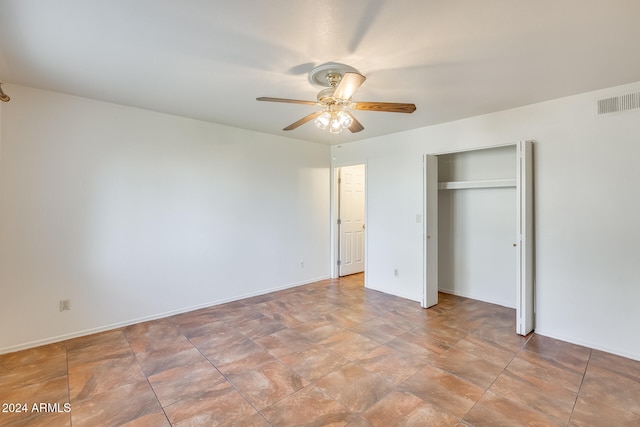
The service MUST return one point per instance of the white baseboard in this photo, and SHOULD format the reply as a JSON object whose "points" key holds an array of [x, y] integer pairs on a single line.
{"points": [[503, 303], [389, 292], [76, 334], [588, 344]]}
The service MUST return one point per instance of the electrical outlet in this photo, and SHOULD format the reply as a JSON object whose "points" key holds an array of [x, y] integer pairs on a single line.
{"points": [[301, 264], [65, 305], [395, 272]]}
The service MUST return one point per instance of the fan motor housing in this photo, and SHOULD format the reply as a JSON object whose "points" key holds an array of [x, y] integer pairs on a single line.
{"points": [[325, 96]]}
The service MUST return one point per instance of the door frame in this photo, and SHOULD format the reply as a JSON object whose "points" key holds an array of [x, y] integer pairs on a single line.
{"points": [[334, 229], [524, 233]]}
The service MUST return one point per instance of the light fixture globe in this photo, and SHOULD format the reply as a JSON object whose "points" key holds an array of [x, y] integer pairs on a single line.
{"points": [[323, 120], [344, 119], [334, 126]]}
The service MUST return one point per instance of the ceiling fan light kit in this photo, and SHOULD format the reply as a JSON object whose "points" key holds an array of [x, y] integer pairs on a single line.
{"points": [[336, 121], [340, 82]]}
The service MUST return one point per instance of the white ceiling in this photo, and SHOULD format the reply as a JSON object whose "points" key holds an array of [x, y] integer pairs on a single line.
{"points": [[210, 59]]}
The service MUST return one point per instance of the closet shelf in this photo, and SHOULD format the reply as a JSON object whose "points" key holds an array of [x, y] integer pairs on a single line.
{"points": [[486, 183]]}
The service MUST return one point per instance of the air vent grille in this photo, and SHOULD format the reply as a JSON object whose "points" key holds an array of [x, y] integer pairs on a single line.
{"points": [[630, 101]]}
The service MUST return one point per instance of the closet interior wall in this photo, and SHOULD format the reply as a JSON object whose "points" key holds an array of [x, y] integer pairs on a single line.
{"points": [[477, 220]]}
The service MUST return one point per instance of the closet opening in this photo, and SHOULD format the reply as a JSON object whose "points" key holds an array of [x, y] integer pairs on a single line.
{"points": [[478, 228]]}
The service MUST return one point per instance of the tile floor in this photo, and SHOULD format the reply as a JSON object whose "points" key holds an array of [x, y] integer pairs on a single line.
{"points": [[327, 354]]}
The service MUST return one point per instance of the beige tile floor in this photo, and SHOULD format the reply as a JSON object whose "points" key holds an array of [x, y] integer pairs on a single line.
{"points": [[327, 354]]}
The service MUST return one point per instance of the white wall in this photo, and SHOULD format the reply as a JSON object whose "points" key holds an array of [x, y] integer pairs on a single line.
{"points": [[133, 214], [477, 227], [476, 232], [586, 211]]}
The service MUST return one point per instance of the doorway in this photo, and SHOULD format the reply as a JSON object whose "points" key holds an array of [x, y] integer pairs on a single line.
{"points": [[492, 216], [351, 223]]}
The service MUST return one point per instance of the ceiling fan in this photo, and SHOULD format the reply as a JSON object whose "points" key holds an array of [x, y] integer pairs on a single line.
{"points": [[341, 82]]}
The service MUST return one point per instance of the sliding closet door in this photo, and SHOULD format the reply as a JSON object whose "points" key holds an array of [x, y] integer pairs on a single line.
{"points": [[524, 254]]}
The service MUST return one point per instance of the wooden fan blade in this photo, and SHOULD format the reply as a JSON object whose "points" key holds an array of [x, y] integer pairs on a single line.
{"points": [[303, 120], [393, 107], [355, 126], [349, 83], [288, 101]]}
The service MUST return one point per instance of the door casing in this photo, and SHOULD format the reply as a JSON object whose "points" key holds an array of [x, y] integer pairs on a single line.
{"points": [[335, 236], [351, 209]]}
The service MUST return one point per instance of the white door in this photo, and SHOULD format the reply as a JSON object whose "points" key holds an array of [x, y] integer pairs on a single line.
{"points": [[524, 239], [430, 293], [351, 219]]}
